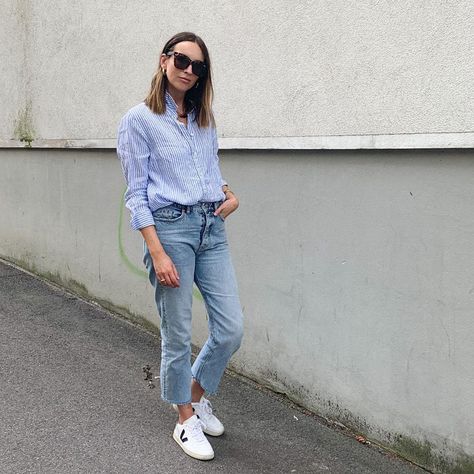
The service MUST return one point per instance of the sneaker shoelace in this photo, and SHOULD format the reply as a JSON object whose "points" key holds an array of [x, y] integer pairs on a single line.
{"points": [[206, 407], [196, 431]]}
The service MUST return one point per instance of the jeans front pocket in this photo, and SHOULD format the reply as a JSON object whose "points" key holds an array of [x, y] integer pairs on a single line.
{"points": [[171, 213]]}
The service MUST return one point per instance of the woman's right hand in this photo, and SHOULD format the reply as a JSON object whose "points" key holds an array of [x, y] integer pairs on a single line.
{"points": [[165, 270]]}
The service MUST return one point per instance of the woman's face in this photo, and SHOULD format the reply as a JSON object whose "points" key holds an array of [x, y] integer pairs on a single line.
{"points": [[181, 80]]}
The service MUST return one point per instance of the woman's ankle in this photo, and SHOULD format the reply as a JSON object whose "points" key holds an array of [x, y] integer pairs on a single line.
{"points": [[185, 412], [196, 391]]}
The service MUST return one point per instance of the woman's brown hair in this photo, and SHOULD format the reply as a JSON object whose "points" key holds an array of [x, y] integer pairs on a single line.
{"points": [[197, 99]]}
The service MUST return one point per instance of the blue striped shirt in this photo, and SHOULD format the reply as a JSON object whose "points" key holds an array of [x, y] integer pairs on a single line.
{"points": [[166, 161]]}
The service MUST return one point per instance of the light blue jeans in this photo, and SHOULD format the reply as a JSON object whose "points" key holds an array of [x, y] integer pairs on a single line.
{"points": [[196, 242]]}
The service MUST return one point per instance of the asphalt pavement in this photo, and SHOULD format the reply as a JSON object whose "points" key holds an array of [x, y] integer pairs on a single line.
{"points": [[74, 399]]}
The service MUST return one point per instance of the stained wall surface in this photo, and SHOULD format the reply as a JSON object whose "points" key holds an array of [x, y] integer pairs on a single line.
{"points": [[354, 270]]}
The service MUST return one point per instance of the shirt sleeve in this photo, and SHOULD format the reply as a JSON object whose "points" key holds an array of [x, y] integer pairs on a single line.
{"points": [[134, 154], [215, 145]]}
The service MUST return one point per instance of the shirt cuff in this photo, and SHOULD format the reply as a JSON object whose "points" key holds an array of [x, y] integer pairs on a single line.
{"points": [[141, 219]]}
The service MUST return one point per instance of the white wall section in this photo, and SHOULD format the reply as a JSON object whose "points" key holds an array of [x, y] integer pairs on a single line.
{"points": [[282, 69]]}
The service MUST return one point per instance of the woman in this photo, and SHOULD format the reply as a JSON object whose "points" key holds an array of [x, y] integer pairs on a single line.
{"points": [[178, 200]]}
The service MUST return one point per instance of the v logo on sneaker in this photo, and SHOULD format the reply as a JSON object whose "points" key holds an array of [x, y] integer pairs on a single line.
{"points": [[182, 438]]}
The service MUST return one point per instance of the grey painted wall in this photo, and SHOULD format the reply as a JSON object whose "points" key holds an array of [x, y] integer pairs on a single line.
{"points": [[304, 68], [355, 271]]}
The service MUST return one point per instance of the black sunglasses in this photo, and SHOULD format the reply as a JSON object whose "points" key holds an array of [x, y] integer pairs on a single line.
{"points": [[181, 61]]}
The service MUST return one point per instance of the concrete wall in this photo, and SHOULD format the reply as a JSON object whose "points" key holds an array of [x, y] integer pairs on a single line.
{"points": [[353, 266], [355, 271], [305, 68]]}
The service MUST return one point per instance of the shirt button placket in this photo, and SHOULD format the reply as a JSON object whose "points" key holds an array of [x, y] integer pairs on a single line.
{"points": [[197, 164]]}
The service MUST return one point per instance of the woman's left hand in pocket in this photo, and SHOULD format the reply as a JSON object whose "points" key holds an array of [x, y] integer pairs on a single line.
{"points": [[228, 206]]}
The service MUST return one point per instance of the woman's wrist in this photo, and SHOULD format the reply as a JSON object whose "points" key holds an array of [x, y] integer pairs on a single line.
{"points": [[226, 190], [152, 241]]}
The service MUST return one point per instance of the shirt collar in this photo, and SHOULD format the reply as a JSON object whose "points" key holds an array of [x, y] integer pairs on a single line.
{"points": [[170, 102], [171, 105]]}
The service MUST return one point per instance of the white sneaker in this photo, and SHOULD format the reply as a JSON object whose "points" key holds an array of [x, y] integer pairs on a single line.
{"points": [[190, 437], [211, 424]]}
